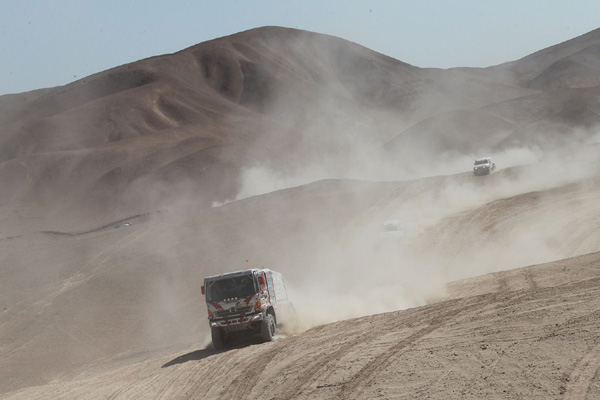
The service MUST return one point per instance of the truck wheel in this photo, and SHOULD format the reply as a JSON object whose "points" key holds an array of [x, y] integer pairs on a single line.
{"points": [[218, 338], [268, 329]]}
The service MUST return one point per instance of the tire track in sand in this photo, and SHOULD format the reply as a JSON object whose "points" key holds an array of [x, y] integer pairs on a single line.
{"points": [[582, 376], [502, 282], [352, 387], [306, 376], [245, 381], [530, 278]]}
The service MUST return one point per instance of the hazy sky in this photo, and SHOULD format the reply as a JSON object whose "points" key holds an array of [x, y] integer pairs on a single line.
{"points": [[54, 42]]}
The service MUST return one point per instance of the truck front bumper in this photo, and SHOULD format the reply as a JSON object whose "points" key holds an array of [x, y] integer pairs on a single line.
{"points": [[236, 322]]}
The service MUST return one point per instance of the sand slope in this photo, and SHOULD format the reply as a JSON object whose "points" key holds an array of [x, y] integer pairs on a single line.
{"points": [[88, 302], [520, 334], [120, 199]]}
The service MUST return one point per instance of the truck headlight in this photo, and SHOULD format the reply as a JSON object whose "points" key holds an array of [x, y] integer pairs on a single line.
{"points": [[257, 305]]}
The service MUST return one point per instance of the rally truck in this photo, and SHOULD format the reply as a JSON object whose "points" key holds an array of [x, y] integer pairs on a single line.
{"points": [[250, 302]]}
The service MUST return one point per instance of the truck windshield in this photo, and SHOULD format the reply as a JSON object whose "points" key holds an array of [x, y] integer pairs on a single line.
{"points": [[479, 162], [230, 288]]}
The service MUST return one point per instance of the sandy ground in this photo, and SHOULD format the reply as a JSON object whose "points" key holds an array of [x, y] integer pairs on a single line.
{"points": [[115, 311], [527, 333]]}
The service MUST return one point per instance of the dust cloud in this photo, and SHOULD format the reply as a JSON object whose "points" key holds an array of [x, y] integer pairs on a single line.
{"points": [[356, 269], [337, 261], [454, 227]]}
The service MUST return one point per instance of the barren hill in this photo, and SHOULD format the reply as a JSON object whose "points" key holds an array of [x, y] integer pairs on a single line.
{"points": [[271, 98], [288, 149]]}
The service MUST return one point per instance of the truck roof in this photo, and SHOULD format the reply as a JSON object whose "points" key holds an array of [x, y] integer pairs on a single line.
{"points": [[235, 273]]}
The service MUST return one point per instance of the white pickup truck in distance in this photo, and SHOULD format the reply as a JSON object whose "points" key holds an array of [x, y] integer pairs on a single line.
{"points": [[483, 166], [246, 302]]}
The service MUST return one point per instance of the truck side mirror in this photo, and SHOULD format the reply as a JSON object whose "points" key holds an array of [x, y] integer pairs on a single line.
{"points": [[202, 288], [261, 280]]}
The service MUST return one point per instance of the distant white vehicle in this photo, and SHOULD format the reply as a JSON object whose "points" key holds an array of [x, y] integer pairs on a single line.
{"points": [[393, 228], [483, 166]]}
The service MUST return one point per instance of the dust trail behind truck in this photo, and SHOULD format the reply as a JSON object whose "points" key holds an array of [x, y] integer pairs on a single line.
{"points": [[250, 302]]}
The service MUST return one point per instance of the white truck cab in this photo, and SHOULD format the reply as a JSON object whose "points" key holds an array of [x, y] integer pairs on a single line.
{"points": [[483, 166]]}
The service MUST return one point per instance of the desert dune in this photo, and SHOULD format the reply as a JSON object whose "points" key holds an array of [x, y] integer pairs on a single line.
{"points": [[287, 149]]}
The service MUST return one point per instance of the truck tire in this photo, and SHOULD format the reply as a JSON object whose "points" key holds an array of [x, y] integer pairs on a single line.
{"points": [[218, 338], [268, 330]]}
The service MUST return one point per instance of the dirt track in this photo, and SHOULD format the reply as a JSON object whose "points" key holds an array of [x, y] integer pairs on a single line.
{"points": [[537, 337]]}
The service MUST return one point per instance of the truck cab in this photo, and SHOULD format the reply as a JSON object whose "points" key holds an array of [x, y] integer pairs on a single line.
{"points": [[244, 302]]}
